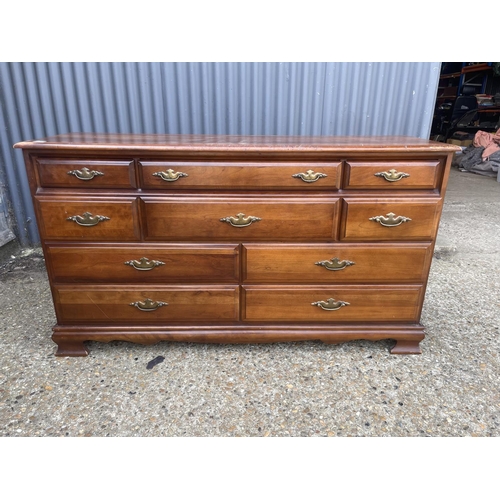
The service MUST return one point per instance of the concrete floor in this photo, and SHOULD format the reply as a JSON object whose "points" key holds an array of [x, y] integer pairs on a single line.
{"points": [[294, 389]]}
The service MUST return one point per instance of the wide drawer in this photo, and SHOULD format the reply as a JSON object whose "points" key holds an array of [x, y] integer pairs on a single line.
{"points": [[167, 175], [336, 263], [414, 174], [85, 220], [145, 304], [243, 218], [143, 263], [85, 174], [332, 303], [388, 219]]}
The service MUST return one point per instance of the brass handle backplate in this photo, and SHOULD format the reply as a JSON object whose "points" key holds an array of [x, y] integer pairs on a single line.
{"points": [[169, 175], [309, 176], [390, 220], [144, 264], [87, 219], [330, 304], [148, 305], [240, 220], [335, 264], [392, 176], [85, 174]]}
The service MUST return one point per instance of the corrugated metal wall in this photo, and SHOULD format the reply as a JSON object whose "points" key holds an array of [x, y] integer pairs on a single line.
{"points": [[41, 99]]}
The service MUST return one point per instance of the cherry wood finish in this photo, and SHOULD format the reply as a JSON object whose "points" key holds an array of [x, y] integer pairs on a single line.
{"points": [[358, 263], [165, 263], [358, 226], [70, 338], [112, 304], [240, 175], [282, 218], [365, 174], [201, 279], [122, 223], [68, 173], [364, 303], [196, 144]]}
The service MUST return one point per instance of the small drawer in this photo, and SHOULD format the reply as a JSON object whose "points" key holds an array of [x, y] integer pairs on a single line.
{"points": [[85, 174], [242, 218], [88, 220], [238, 175], [138, 304], [389, 219], [336, 263], [166, 263], [393, 175], [348, 303]]}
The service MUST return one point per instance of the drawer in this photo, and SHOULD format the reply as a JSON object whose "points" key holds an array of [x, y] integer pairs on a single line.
{"points": [[336, 263], [237, 175], [85, 220], [324, 303], [85, 174], [146, 304], [421, 174], [364, 219], [143, 263], [245, 218]]}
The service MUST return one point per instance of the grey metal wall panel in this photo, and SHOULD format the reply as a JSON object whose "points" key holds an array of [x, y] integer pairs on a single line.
{"points": [[290, 98]]}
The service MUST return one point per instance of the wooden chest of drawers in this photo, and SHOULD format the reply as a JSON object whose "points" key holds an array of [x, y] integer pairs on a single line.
{"points": [[237, 238]]}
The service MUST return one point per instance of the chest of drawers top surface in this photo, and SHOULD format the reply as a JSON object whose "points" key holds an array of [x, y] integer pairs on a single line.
{"points": [[241, 143], [214, 238]]}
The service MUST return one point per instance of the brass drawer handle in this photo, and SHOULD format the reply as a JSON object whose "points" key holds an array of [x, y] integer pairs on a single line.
{"points": [[335, 264], [144, 264], [330, 304], [87, 219], [170, 175], [240, 220], [309, 176], [85, 174], [390, 220], [148, 305], [392, 176]]}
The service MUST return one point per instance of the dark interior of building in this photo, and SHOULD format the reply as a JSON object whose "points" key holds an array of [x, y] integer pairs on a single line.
{"points": [[468, 100]]}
